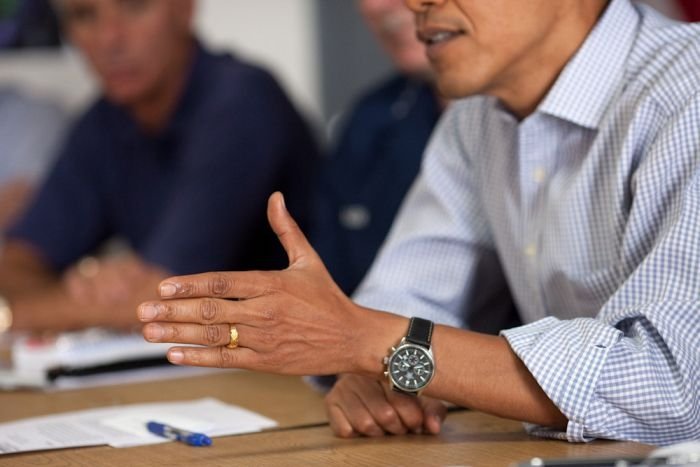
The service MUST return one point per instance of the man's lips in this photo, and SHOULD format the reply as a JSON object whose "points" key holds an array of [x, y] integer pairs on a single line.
{"points": [[437, 35]]}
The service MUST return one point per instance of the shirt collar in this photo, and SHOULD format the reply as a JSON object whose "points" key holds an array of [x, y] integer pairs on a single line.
{"points": [[592, 78]]}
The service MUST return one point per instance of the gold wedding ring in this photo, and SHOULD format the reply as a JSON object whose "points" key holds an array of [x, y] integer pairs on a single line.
{"points": [[233, 341]]}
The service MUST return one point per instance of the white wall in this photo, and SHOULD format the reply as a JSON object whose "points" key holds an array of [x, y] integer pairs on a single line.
{"points": [[280, 34], [57, 75]]}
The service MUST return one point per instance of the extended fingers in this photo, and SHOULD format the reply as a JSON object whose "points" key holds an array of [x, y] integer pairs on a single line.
{"points": [[219, 284], [215, 357], [202, 310], [211, 335], [208, 334]]}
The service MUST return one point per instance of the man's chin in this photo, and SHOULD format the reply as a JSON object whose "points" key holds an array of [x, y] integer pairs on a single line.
{"points": [[449, 89], [458, 84], [124, 95]]}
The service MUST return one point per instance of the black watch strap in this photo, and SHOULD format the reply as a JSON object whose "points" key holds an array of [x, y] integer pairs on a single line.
{"points": [[420, 331]]}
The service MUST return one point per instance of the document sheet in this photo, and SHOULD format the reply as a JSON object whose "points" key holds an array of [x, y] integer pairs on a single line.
{"points": [[125, 425]]}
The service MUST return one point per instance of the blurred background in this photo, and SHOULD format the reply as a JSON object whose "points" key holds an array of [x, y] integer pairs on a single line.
{"points": [[320, 50]]}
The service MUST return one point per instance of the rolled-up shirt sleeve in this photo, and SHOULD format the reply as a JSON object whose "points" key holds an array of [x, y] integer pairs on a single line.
{"points": [[633, 371], [615, 382]]}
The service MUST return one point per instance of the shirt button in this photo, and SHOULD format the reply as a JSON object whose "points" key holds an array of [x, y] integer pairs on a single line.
{"points": [[531, 251], [538, 175]]}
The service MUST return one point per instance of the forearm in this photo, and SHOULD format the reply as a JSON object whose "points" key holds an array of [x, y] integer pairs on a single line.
{"points": [[49, 309], [22, 270], [13, 199], [109, 299], [53, 309], [482, 372], [472, 370], [34, 291]]}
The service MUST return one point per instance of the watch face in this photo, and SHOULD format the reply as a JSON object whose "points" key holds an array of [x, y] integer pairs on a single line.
{"points": [[411, 367]]}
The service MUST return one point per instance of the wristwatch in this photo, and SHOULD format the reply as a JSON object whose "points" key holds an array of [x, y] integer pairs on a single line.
{"points": [[5, 315], [410, 366]]}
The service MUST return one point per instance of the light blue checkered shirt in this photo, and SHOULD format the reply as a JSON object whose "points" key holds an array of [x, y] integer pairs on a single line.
{"points": [[588, 212]]}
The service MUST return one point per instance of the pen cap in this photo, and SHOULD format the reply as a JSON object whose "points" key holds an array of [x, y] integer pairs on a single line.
{"points": [[198, 439]]}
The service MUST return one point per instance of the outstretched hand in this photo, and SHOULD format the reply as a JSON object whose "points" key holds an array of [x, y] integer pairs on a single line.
{"points": [[294, 321]]}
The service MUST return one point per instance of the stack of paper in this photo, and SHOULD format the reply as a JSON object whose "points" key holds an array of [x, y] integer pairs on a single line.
{"points": [[37, 362], [125, 425]]}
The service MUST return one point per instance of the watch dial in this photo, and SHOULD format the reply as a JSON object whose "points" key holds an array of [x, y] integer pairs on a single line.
{"points": [[411, 367]]}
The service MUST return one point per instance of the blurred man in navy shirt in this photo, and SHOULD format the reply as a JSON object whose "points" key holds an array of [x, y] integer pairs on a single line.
{"points": [[379, 150], [177, 158]]}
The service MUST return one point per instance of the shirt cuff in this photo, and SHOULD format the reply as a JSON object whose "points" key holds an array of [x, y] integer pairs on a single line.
{"points": [[565, 358]]}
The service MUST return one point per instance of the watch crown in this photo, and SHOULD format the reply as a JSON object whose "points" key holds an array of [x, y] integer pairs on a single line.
{"points": [[386, 360], [386, 374]]}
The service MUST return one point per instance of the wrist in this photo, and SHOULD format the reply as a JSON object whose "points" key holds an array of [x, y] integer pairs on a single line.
{"points": [[383, 330], [410, 366]]}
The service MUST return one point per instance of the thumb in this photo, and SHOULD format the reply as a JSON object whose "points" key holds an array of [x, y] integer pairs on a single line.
{"points": [[287, 230]]}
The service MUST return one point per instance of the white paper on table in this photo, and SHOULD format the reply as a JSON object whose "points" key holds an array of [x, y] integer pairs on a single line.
{"points": [[125, 425]]}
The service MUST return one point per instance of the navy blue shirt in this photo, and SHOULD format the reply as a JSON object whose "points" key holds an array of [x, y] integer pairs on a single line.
{"points": [[368, 173], [192, 198]]}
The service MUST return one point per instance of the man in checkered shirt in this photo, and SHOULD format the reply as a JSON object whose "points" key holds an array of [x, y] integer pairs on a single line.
{"points": [[569, 178], [581, 197]]}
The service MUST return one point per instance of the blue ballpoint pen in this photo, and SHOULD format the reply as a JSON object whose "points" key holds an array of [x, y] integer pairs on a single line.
{"points": [[184, 436]]}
